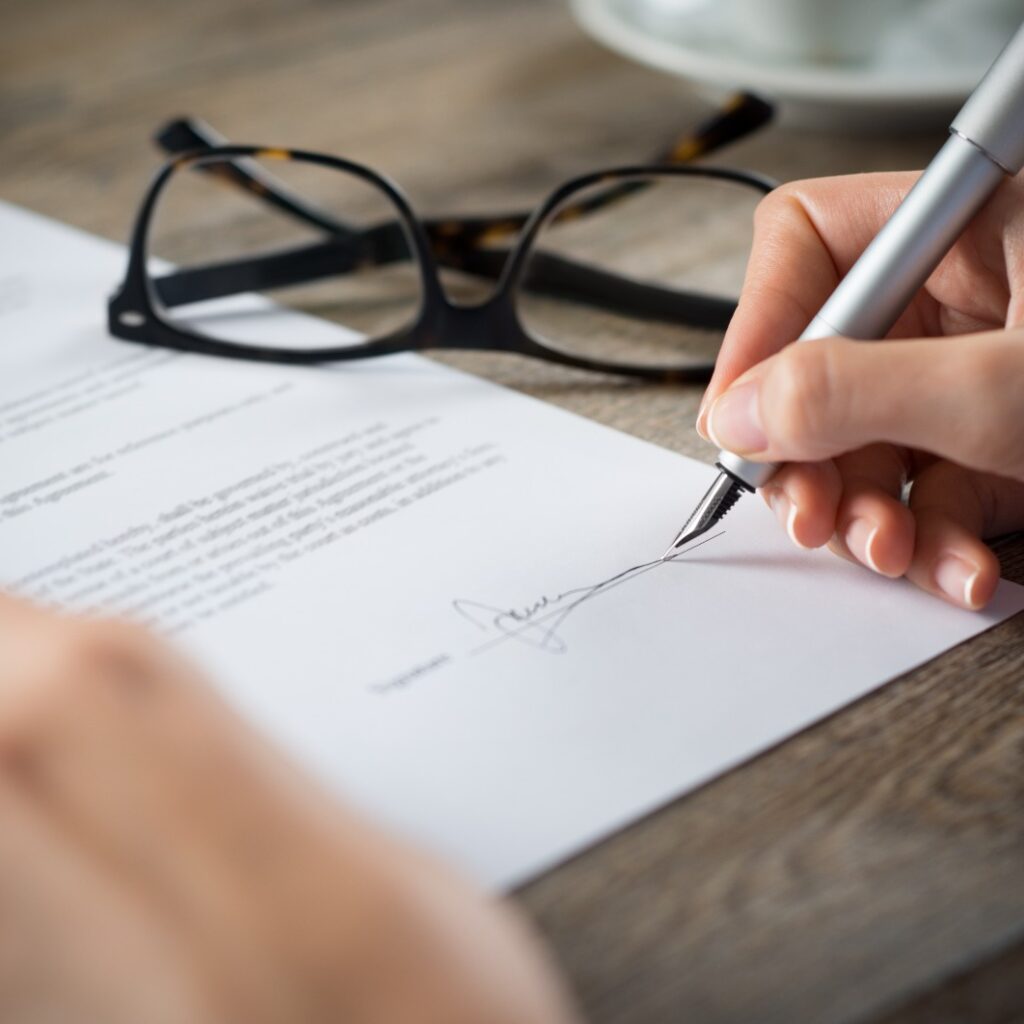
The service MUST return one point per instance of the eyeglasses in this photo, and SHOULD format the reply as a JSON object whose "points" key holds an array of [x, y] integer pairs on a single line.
{"points": [[633, 270]]}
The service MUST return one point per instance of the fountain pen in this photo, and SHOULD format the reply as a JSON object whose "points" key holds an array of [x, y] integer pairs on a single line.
{"points": [[986, 142]]}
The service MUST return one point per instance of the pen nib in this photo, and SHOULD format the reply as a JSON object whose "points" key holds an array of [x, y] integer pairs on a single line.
{"points": [[721, 496]]}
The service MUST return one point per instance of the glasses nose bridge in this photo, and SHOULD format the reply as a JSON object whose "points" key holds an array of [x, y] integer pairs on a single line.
{"points": [[489, 324], [470, 258]]}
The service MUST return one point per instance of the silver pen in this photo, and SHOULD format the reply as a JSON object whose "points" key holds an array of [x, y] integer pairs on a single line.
{"points": [[986, 142]]}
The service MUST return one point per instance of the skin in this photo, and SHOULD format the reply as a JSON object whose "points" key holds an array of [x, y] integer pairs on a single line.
{"points": [[160, 862], [938, 404]]}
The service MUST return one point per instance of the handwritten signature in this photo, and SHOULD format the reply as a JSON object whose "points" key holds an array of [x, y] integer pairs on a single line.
{"points": [[537, 624]]}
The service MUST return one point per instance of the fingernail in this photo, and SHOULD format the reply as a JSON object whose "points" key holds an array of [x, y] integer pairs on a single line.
{"points": [[702, 415], [860, 538], [956, 578], [785, 511], [733, 421]]}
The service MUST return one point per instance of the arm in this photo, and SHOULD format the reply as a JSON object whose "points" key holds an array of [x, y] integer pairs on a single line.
{"points": [[159, 861]]}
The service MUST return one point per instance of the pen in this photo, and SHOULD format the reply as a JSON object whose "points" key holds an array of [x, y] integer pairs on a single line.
{"points": [[986, 142]]}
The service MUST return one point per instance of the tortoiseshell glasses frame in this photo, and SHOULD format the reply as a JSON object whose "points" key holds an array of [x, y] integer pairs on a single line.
{"points": [[136, 312]]}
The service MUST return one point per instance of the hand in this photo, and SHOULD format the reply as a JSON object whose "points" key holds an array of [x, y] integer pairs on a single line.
{"points": [[159, 862], [857, 421]]}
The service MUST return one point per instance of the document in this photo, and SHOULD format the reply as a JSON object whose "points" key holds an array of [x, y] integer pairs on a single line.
{"points": [[443, 598]]}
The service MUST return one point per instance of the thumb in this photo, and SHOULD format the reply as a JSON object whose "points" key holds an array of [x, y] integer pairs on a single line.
{"points": [[957, 397]]}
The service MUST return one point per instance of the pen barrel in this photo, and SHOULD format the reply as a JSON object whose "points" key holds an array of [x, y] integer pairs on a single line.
{"points": [[993, 116], [910, 245]]}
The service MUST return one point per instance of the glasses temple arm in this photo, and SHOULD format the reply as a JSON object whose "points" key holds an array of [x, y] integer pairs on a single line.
{"points": [[187, 134], [345, 254], [590, 286], [740, 115], [549, 275], [262, 273], [448, 234]]}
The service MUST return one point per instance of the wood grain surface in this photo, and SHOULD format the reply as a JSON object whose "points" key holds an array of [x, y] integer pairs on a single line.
{"points": [[869, 869]]}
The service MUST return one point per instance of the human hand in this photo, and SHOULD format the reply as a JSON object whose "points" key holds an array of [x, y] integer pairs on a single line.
{"points": [[857, 421], [159, 862]]}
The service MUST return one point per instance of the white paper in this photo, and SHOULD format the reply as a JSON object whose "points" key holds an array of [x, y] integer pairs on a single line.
{"points": [[386, 566]]}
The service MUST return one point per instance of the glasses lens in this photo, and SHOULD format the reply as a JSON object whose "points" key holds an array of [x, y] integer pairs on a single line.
{"points": [[640, 271], [228, 262]]}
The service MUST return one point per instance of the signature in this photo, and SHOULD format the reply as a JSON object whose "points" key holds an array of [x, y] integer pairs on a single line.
{"points": [[537, 624]]}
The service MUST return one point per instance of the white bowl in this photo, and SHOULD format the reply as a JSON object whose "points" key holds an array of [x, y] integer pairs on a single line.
{"points": [[919, 79]]}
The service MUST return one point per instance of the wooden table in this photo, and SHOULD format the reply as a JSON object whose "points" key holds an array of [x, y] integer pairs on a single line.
{"points": [[871, 868]]}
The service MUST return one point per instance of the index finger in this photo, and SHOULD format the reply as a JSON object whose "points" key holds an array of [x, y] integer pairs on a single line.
{"points": [[807, 234]]}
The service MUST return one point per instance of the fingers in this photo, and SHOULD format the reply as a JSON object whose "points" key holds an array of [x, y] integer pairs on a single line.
{"points": [[958, 398], [805, 499], [937, 543], [873, 526], [852, 503], [806, 236], [954, 508]]}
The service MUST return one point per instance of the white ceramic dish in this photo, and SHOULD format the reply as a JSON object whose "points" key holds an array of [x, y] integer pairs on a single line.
{"points": [[919, 79]]}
